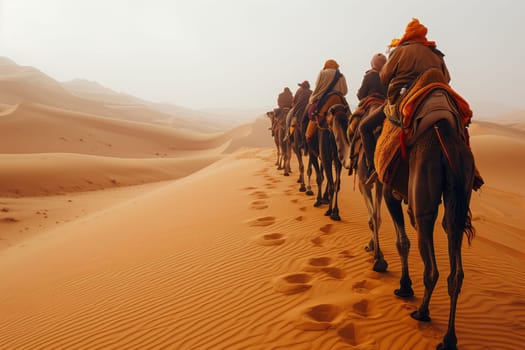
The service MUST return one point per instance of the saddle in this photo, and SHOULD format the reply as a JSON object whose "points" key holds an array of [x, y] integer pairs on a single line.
{"points": [[367, 106], [428, 100], [335, 102]]}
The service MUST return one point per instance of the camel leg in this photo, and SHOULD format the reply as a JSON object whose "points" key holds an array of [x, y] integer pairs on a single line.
{"points": [[366, 192], [319, 180], [380, 264], [326, 195], [329, 188], [287, 158], [455, 281], [425, 228], [337, 186], [402, 243], [309, 191], [300, 180]]}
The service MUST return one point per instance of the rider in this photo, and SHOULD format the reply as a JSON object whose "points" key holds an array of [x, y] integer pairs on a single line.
{"points": [[371, 84], [300, 100], [412, 55], [329, 79], [371, 87], [285, 98]]}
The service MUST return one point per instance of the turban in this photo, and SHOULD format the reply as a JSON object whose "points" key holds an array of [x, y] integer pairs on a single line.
{"points": [[331, 64], [414, 31]]}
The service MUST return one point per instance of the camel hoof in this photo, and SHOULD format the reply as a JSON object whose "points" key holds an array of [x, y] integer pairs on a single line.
{"points": [[328, 212], [299, 181], [442, 346], [380, 265], [286, 174], [335, 216], [404, 292], [325, 201], [317, 204], [309, 193], [302, 188], [416, 315]]}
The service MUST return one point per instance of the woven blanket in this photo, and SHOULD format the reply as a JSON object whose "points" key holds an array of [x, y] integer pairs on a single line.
{"points": [[387, 148]]}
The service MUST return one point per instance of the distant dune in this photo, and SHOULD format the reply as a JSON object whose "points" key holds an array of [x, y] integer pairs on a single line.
{"points": [[32, 128], [258, 136], [20, 84]]}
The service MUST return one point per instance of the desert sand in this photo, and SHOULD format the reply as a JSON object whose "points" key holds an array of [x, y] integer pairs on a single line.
{"points": [[130, 234]]}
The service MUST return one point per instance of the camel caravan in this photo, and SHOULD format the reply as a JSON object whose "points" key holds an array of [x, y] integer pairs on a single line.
{"points": [[406, 142]]}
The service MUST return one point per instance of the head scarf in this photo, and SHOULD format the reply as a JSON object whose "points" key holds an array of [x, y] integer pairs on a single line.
{"points": [[414, 31], [305, 84], [331, 64], [378, 61]]}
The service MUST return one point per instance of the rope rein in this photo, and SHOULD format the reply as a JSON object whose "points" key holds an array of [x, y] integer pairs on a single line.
{"points": [[436, 128]]}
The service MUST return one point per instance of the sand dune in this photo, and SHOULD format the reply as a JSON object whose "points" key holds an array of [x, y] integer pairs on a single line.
{"points": [[499, 150], [234, 257], [257, 136], [32, 128], [19, 84], [209, 120], [44, 174]]}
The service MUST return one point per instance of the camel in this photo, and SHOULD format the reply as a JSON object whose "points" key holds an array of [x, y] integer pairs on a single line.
{"points": [[314, 165], [439, 167], [350, 148], [277, 126], [295, 143], [333, 110]]}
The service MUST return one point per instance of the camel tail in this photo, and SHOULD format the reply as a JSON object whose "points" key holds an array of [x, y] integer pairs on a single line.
{"points": [[459, 182]]}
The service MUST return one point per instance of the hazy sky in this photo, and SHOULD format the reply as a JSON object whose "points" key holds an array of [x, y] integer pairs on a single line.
{"points": [[241, 53]]}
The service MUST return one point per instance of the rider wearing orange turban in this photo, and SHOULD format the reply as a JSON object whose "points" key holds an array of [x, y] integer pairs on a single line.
{"points": [[413, 54], [414, 31]]}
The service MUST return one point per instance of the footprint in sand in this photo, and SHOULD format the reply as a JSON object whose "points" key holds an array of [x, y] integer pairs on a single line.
{"points": [[319, 317], [361, 307], [269, 239], [259, 194], [316, 264], [249, 188], [302, 208], [270, 186], [326, 229], [317, 241], [262, 221], [346, 254], [299, 218], [293, 283], [334, 272], [259, 205], [322, 264], [294, 200], [364, 286], [352, 335]]}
